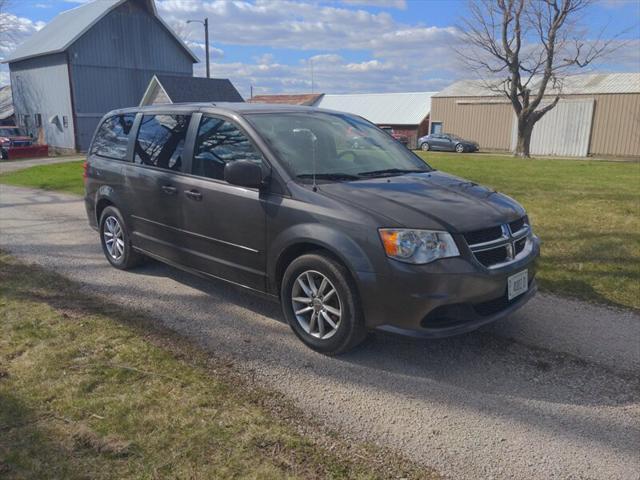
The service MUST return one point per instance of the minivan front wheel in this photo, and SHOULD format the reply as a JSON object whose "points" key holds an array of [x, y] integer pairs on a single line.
{"points": [[425, 147], [321, 305], [459, 148], [115, 240]]}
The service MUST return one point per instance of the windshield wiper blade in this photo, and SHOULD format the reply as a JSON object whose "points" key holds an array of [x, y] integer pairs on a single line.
{"points": [[391, 171], [330, 176]]}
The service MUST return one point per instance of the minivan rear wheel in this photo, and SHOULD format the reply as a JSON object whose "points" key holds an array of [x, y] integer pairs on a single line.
{"points": [[425, 147], [115, 240], [321, 304]]}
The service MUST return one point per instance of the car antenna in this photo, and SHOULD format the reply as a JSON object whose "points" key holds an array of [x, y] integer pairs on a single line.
{"points": [[314, 139]]}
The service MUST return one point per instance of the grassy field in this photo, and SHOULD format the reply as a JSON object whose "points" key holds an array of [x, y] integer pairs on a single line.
{"points": [[88, 390], [64, 177], [586, 212]]}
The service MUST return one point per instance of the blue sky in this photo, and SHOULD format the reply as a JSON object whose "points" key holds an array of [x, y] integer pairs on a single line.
{"points": [[353, 45]]}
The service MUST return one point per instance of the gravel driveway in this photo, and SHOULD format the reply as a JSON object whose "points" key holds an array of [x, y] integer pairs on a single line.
{"points": [[551, 392]]}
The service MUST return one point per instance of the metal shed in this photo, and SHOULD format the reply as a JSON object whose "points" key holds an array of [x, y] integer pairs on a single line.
{"points": [[164, 89], [87, 61], [407, 112], [598, 114]]}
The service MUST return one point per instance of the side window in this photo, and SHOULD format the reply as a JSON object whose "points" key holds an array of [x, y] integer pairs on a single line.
{"points": [[112, 137], [160, 141], [219, 142]]}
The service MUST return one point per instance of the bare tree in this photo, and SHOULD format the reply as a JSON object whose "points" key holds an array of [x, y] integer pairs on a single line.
{"points": [[6, 25], [524, 48]]}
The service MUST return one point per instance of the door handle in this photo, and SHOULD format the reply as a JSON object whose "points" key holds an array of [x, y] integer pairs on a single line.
{"points": [[169, 190], [193, 194]]}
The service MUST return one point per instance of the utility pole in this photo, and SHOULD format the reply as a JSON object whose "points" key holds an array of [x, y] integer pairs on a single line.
{"points": [[206, 41], [313, 86], [206, 45]]}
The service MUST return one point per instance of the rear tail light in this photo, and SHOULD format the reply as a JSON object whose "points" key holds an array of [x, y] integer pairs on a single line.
{"points": [[85, 169]]}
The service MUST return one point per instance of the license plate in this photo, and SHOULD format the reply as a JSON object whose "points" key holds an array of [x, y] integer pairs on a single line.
{"points": [[518, 284]]}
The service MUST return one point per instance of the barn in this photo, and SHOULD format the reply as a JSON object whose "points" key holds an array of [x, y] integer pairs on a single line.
{"points": [[89, 60], [598, 115]]}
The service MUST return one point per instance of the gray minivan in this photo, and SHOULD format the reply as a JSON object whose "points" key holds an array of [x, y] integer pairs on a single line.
{"points": [[276, 199]]}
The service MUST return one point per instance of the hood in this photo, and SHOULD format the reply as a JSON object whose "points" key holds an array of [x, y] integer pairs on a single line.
{"points": [[433, 200]]}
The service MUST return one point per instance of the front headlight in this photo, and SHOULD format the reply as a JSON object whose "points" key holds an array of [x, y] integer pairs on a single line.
{"points": [[417, 246]]}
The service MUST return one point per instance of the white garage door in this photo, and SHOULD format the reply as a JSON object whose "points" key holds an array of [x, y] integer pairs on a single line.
{"points": [[564, 131]]}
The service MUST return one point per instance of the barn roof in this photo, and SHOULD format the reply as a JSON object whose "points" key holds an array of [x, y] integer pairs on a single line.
{"points": [[181, 89], [583, 84], [58, 35], [307, 99], [409, 108]]}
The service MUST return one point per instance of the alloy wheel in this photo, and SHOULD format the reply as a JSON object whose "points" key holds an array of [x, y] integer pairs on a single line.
{"points": [[316, 304], [113, 235]]}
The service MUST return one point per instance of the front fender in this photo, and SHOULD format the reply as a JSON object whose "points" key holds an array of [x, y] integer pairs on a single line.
{"points": [[341, 244]]}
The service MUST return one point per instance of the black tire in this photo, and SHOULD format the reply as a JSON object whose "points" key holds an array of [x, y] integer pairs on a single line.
{"points": [[460, 148], [425, 147], [350, 331], [128, 258], [3, 154]]}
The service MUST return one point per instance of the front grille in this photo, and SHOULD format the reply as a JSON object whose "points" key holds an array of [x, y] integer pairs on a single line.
{"points": [[517, 225], [492, 257], [484, 235], [496, 245]]}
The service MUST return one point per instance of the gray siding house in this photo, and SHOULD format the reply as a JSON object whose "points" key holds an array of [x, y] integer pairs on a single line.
{"points": [[87, 61]]}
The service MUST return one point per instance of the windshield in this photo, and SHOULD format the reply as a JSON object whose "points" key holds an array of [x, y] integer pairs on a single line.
{"points": [[9, 132], [336, 146]]}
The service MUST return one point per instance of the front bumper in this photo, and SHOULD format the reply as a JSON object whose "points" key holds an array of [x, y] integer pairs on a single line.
{"points": [[445, 298]]}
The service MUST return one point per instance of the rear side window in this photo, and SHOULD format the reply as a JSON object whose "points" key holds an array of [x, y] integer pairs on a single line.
{"points": [[219, 142], [112, 137], [160, 141]]}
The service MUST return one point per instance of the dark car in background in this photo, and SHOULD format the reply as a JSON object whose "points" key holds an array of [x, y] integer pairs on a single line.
{"points": [[446, 142], [275, 199]]}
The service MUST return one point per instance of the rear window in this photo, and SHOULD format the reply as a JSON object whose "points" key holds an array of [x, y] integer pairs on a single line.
{"points": [[160, 141], [112, 137]]}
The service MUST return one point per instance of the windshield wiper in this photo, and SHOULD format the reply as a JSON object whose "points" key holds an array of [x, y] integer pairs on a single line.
{"points": [[391, 171], [330, 176]]}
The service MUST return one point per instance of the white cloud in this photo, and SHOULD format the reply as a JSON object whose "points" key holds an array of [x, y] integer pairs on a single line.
{"points": [[400, 4]]}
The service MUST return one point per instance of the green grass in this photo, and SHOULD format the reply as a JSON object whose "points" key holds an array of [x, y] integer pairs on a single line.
{"points": [[89, 390], [64, 177], [586, 212]]}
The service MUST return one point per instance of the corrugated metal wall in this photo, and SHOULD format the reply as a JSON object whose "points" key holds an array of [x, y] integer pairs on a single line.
{"points": [[112, 64], [41, 86], [616, 125], [565, 131], [475, 118], [615, 128]]}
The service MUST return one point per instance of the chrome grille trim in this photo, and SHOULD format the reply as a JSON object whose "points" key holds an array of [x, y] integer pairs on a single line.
{"points": [[506, 241]]}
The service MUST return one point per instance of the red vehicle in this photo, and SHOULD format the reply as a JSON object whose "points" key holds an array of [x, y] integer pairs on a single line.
{"points": [[15, 144], [403, 139]]}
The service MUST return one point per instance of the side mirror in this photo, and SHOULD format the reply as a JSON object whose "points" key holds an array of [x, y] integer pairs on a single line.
{"points": [[243, 173]]}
